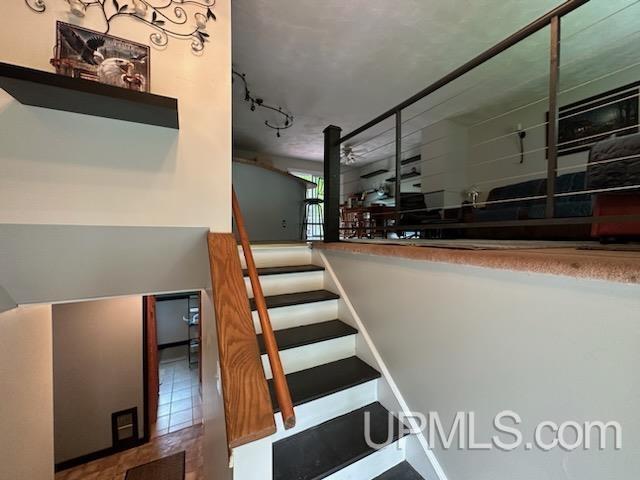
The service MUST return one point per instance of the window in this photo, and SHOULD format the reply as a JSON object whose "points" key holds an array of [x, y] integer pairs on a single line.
{"points": [[313, 227]]}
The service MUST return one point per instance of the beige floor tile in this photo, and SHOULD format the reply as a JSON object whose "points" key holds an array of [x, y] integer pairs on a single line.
{"points": [[180, 426], [180, 417]]}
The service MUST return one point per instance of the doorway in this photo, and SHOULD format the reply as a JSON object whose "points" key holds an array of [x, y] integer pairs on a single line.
{"points": [[174, 328]]}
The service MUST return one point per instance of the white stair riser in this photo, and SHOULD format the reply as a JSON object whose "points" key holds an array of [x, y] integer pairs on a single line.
{"points": [[298, 315], [288, 283], [301, 358], [326, 408], [374, 465], [278, 256], [253, 461]]}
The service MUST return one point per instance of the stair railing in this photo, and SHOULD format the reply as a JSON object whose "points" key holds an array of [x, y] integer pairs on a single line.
{"points": [[280, 385]]}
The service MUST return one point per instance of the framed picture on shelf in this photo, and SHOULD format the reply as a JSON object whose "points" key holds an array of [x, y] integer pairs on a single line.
{"points": [[584, 123], [91, 55]]}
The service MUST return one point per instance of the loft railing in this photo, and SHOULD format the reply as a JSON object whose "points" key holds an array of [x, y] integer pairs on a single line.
{"points": [[335, 140], [280, 385]]}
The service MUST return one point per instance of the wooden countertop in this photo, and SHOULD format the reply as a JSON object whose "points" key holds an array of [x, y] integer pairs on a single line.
{"points": [[613, 266]]}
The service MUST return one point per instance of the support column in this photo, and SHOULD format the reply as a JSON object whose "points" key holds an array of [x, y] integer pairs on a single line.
{"points": [[398, 187], [554, 85], [332, 183]]}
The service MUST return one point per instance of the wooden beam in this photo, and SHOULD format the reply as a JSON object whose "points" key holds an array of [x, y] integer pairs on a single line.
{"points": [[247, 403]]}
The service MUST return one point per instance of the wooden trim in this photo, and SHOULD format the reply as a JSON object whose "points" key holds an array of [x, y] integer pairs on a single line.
{"points": [[279, 380], [247, 402], [175, 296], [90, 457], [257, 163]]}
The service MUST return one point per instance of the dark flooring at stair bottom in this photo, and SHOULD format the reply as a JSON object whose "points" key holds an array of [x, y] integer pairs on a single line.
{"points": [[299, 298], [308, 334], [317, 382], [322, 450], [402, 471], [291, 269]]}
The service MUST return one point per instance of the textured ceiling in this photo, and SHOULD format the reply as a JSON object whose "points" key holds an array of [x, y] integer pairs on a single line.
{"points": [[342, 63]]}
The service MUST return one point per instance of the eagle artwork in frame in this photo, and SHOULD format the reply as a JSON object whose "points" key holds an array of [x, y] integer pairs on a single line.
{"points": [[83, 53]]}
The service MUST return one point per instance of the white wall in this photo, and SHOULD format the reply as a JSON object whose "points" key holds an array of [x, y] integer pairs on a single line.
{"points": [[459, 338], [97, 366], [171, 327], [63, 168], [26, 408], [214, 446]]}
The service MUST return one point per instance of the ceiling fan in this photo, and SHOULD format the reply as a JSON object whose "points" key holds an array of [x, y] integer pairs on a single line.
{"points": [[351, 155]]}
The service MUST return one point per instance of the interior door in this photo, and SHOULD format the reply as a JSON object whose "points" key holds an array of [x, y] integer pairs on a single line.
{"points": [[152, 364]]}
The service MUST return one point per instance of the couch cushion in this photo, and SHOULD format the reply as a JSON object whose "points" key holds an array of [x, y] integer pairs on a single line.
{"points": [[619, 173], [530, 188]]}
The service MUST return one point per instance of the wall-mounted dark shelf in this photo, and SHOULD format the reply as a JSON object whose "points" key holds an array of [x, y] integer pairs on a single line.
{"points": [[408, 161], [404, 176], [57, 92], [374, 174], [417, 185]]}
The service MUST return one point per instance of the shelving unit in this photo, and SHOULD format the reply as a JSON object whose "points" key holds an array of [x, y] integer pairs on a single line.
{"points": [[374, 173], [409, 161], [57, 92], [405, 176], [194, 330]]}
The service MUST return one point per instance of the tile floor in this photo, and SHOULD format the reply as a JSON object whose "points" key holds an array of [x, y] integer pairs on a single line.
{"points": [[180, 404], [115, 466]]}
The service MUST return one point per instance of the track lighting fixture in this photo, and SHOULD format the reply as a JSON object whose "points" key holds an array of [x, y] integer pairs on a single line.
{"points": [[255, 102]]}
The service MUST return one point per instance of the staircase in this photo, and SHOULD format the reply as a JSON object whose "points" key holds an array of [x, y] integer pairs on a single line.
{"points": [[331, 388]]}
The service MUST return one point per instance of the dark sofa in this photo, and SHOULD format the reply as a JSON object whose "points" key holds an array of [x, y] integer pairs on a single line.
{"points": [[567, 206]]}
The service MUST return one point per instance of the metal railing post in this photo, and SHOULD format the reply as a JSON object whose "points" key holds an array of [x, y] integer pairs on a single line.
{"points": [[332, 183], [398, 192], [554, 86]]}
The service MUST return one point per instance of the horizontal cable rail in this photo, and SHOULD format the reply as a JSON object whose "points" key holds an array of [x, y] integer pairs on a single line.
{"points": [[543, 222], [279, 379], [524, 199], [514, 39], [506, 153]]}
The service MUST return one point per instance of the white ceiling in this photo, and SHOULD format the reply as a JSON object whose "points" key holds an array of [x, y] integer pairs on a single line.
{"points": [[342, 63]]}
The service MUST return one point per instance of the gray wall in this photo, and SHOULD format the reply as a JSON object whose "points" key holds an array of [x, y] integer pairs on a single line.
{"points": [[171, 327], [97, 370], [55, 263], [6, 302], [458, 338], [26, 382], [267, 199]]}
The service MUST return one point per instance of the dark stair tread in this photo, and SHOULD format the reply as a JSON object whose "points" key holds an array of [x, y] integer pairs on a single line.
{"points": [[308, 334], [299, 298], [402, 471], [331, 446], [290, 269], [317, 382]]}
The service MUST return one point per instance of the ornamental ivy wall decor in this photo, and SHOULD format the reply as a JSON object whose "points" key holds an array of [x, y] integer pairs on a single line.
{"points": [[256, 102], [168, 18]]}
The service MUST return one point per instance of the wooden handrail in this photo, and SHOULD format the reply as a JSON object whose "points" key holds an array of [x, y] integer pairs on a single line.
{"points": [[279, 380], [248, 410]]}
